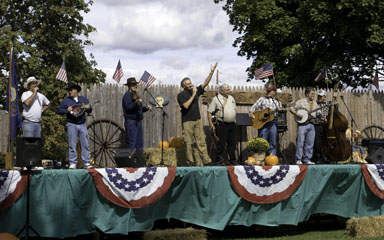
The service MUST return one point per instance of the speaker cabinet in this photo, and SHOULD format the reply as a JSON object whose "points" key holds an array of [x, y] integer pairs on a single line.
{"points": [[376, 157], [126, 157], [28, 152], [375, 150]]}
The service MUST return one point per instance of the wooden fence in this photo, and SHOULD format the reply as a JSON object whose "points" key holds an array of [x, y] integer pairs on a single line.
{"points": [[367, 109]]}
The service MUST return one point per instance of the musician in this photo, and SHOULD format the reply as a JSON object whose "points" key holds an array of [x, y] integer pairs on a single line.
{"points": [[133, 114], [306, 130], [193, 133], [269, 130], [34, 104], [74, 107], [223, 108], [319, 121]]}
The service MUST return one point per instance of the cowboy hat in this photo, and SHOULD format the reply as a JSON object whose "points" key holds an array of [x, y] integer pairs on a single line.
{"points": [[131, 81], [73, 86], [321, 92], [29, 80]]}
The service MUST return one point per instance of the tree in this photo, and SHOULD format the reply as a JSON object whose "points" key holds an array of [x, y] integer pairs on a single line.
{"points": [[301, 37], [44, 33]]}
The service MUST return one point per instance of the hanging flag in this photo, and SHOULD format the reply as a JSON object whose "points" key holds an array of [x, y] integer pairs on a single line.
{"points": [[375, 80], [13, 101], [322, 75], [118, 73], [62, 74], [147, 79], [264, 72]]}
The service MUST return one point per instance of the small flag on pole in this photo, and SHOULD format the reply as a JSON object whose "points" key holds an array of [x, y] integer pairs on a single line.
{"points": [[118, 73], [62, 74], [375, 80], [264, 72], [323, 74], [147, 79]]}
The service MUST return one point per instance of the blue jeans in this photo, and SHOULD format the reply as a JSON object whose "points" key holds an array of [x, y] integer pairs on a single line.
{"points": [[305, 141], [134, 134], [80, 131], [269, 133], [31, 129]]}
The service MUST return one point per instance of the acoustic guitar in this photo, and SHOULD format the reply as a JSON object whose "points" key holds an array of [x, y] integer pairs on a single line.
{"points": [[262, 117]]}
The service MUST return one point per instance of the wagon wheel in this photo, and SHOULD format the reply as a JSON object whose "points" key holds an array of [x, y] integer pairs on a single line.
{"points": [[372, 132], [105, 137]]}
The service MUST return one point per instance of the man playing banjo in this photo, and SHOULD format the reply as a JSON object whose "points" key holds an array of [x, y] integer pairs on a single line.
{"points": [[306, 129]]}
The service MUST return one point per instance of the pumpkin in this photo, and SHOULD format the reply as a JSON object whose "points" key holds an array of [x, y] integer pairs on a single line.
{"points": [[175, 142], [250, 161], [272, 160], [163, 143]]}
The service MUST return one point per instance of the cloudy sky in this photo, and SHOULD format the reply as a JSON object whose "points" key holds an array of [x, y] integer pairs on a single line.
{"points": [[171, 39]]}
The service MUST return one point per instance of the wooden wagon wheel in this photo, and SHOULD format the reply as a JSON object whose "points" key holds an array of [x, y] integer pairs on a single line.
{"points": [[372, 132], [105, 137]]}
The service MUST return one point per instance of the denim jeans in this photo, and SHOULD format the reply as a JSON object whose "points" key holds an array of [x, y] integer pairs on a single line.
{"points": [[31, 129], [269, 133], [80, 131], [134, 134], [305, 141]]}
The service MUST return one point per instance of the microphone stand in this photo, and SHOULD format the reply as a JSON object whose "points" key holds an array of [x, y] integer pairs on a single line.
{"points": [[352, 122], [164, 114]]}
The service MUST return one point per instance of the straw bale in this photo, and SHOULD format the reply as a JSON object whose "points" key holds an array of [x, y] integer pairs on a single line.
{"points": [[366, 227], [176, 234], [173, 157]]}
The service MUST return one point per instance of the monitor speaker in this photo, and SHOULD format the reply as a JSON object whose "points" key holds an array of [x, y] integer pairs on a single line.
{"points": [[127, 157], [376, 157], [28, 152]]}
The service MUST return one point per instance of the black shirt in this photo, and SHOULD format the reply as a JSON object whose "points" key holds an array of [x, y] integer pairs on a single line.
{"points": [[193, 112]]}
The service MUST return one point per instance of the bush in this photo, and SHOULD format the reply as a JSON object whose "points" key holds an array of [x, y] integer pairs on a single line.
{"points": [[257, 145]]}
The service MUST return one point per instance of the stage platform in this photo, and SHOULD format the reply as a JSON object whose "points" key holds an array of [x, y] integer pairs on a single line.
{"points": [[66, 203]]}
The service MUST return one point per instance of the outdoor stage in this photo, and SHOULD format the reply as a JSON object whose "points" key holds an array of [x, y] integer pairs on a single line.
{"points": [[66, 203]]}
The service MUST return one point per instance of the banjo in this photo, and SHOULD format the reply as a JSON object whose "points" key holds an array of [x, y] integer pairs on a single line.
{"points": [[307, 114]]}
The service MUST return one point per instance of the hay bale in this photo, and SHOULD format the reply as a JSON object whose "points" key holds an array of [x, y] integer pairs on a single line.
{"points": [[172, 156], [176, 234], [366, 227]]}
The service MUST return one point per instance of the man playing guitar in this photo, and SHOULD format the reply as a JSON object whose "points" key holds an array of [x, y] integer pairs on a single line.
{"points": [[269, 130]]}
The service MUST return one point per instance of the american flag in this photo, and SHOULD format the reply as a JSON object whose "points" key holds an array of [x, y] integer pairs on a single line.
{"points": [[147, 79], [323, 74], [62, 74], [264, 72], [375, 80], [118, 73]]}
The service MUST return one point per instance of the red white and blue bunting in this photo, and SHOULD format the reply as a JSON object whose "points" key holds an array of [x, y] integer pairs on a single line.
{"points": [[374, 177], [133, 187], [266, 184], [12, 186]]}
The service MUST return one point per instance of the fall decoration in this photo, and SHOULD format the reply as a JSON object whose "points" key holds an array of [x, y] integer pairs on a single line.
{"points": [[175, 142], [272, 160], [257, 145], [163, 143]]}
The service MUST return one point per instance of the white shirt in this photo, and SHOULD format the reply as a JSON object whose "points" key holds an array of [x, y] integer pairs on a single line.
{"points": [[217, 106], [33, 112]]}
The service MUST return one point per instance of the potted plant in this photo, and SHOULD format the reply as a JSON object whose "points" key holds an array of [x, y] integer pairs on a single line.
{"points": [[258, 147]]}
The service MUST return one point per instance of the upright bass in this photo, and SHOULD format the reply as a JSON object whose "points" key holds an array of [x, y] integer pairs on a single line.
{"points": [[337, 146]]}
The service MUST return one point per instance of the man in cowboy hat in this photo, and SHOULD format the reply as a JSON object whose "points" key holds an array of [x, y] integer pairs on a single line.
{"points": [[74, 106], [133, 114], [269, 130], [34, 103]]}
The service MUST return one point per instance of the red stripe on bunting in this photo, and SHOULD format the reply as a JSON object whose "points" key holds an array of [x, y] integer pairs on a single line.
{"points": [[275, 197], [370, 182], [139, 203], [21, 185]]}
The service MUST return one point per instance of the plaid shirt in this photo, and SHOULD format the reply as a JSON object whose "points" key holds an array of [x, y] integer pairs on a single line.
{"points": [[264, 103], [321, 113]]}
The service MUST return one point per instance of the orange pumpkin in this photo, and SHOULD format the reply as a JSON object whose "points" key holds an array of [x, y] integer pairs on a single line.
{"points": [[272, 160], [163, 143], [175, 142], [250, 161]]}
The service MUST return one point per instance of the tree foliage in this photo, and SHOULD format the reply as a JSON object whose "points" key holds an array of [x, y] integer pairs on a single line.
{"points": [[301, 37], [44, 33]]}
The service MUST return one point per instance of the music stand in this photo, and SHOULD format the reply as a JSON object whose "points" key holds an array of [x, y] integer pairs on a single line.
{"points": [[242, 119], [27, 226]]}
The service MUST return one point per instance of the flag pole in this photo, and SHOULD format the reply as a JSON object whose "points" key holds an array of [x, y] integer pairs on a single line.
{"points": [[273, 76], [9, 154]]}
